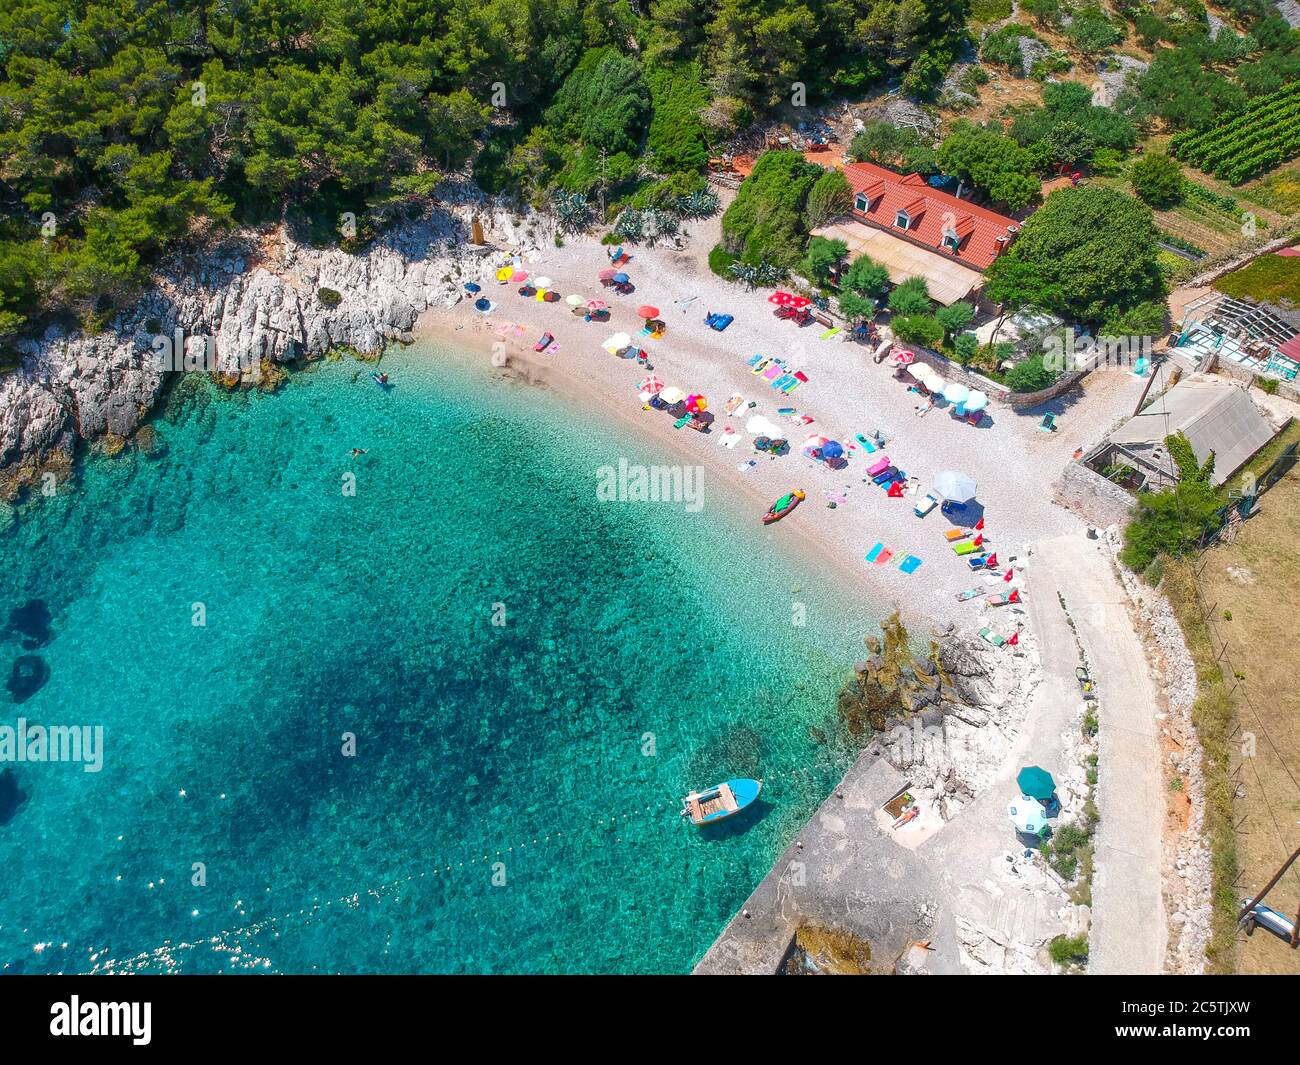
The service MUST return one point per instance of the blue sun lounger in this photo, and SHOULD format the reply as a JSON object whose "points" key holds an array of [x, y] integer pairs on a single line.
{"points": [[910, 564]]}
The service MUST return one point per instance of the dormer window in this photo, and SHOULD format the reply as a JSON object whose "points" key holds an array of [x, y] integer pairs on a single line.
{"points": [[951, 241], [902, 220], [862, 203]]}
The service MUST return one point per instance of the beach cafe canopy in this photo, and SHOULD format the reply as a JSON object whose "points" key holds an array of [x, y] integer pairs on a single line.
{"points": [[1036, 782], [1028, 815], [647, 310], [651, 383], [671, 395], [617, 342], [954, 487]]}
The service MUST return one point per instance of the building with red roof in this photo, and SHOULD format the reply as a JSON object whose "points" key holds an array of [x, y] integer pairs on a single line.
{"points": [[906, 206]]}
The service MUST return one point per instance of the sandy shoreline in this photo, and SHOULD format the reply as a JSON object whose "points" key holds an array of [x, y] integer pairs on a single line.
{"points": [[1014, 463]]}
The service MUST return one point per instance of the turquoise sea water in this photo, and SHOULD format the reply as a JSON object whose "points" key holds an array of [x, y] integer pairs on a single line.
{"points": [[512, 802]]}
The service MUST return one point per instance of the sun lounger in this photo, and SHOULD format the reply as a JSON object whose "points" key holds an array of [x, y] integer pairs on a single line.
{"points": [[952, 535], [1048, 424], [989, 636], [966, 547], [866, 442], [925, 506], [874, 553], [879, 466], [968, 594], [977, 562], [910, 564]]}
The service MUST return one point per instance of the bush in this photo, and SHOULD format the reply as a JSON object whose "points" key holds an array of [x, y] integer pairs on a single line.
{"points": [[1067, 949], [964, 346], [1091, 32], [912, 297], [1031, 375], [1173, 521], [1157, 179], [1002, 47], [918, 329], [830, 196], [766, 219], [329, 297], [720, 261]]}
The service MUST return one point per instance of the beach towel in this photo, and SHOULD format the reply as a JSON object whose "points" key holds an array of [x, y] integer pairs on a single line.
{"points": [[966, 548], [760, 366], [910, 564], [781, 381], [755, 360], [969, 593], [791, 386], [829, 333], [681, 421], [989, 636], [773, 372], [955, 534], [728, 440], [865, 441], [554, 349], [879, 466], [874, 553], [977, 561], [884, 556]]}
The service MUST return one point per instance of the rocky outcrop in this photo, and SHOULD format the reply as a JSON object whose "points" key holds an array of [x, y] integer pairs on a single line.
{"points": [[251, 302]]}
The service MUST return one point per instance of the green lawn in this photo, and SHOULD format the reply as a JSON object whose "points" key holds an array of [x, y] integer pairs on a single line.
{"points": [[1272, 278]]}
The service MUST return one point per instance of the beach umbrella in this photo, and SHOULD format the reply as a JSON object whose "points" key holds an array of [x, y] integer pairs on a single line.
{"points": [[695, 404], [1036, 782], [471, 287], [518, 276], [607, 275], [760, 426], [596, 305], [954, 487], [621, 278], [814, 441], [574, 301], [504, 273], [977, 401], [617, 342], [1028, 815], [542, 282], [799, 302], [954, 392], [651, 383], [932, 380], [903, 358], [832, 449], [647, 310], [672, 395], [781, 299]]}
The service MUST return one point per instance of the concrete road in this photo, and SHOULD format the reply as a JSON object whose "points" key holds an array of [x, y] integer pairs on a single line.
{"points": [[1128, 918]]}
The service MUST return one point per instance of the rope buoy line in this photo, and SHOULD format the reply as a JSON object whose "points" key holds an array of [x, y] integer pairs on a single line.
{"points": [[166, 954]]}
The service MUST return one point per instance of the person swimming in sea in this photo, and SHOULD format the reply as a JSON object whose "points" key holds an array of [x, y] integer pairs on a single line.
{"points": [[359, 451]]}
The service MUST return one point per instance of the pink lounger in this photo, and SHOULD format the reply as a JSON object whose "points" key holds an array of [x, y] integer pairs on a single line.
{"points": [[881, 465]]}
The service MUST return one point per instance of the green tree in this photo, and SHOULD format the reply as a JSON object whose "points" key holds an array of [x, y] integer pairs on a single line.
{"points": [[1157, 179], [912, 297], [992, 162], [955, 318], [823, 256], [830, 196]]}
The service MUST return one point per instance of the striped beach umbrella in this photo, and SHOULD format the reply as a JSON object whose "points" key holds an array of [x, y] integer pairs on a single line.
{"points": [[651, 383]]}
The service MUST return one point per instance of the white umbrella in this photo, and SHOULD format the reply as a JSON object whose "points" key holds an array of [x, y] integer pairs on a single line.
{"points": [[977, 401], [574, 301], [933, 381], [672, 395], [760, 426], [1028, 815], [954, 487], [955, 392], [542, 282], [617, 342]]}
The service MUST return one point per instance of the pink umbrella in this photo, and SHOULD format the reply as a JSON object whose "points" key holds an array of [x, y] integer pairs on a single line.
{"points": [[651, 384], [519, 275], [902, 358], [597, 305], [646, 310], [607, 275], [815, 441]]}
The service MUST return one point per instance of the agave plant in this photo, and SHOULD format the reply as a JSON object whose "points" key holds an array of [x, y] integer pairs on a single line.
{"points": [[572, 210], [702, 203], [630, 225]]}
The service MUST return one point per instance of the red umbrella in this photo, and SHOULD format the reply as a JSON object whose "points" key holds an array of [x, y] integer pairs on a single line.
{"points": [[799, 302], [607, 275], [903, 358], [651, 384], [780, 298], [647, 311]]}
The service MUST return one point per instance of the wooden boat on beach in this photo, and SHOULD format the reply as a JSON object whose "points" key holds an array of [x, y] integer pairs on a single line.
{"points": [[720, 801]]}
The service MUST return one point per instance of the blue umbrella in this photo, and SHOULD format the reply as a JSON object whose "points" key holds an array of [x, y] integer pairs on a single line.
{"points": [[1036, 782], [471, 287], [621, 278], [832, 449]]}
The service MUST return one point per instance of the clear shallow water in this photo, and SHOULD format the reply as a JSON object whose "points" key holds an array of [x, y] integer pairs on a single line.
{"points": [[372, 614]]}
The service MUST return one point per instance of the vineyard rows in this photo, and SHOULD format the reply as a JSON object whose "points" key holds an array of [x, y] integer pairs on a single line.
{"points": [[1254, 141]]}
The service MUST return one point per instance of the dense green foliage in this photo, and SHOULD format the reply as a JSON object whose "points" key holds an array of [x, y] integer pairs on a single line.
{"points": [[1173, 521], [900, 147], [766, 221], [1157, 179], [1069, 128], [1087, 253], [991, 161], [1002, 47]]}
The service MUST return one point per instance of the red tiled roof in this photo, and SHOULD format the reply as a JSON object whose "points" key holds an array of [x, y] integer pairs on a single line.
{"points": [[931, 212]]}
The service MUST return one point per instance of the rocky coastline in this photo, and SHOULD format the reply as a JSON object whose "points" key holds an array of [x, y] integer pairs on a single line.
{"points": [[245, 307]]}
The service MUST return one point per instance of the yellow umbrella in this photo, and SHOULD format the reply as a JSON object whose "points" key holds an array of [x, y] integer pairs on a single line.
{"points": [[504, 273]]}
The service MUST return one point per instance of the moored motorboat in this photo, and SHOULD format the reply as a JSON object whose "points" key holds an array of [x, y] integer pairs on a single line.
{"points": [[720, 801], [783, 506]]}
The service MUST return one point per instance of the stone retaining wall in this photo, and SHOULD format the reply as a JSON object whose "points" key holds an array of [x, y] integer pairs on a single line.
{"points": [[1087, 493]]}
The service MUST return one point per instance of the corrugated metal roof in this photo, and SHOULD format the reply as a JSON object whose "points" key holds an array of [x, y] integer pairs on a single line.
{"points": [[1214, 416]]}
